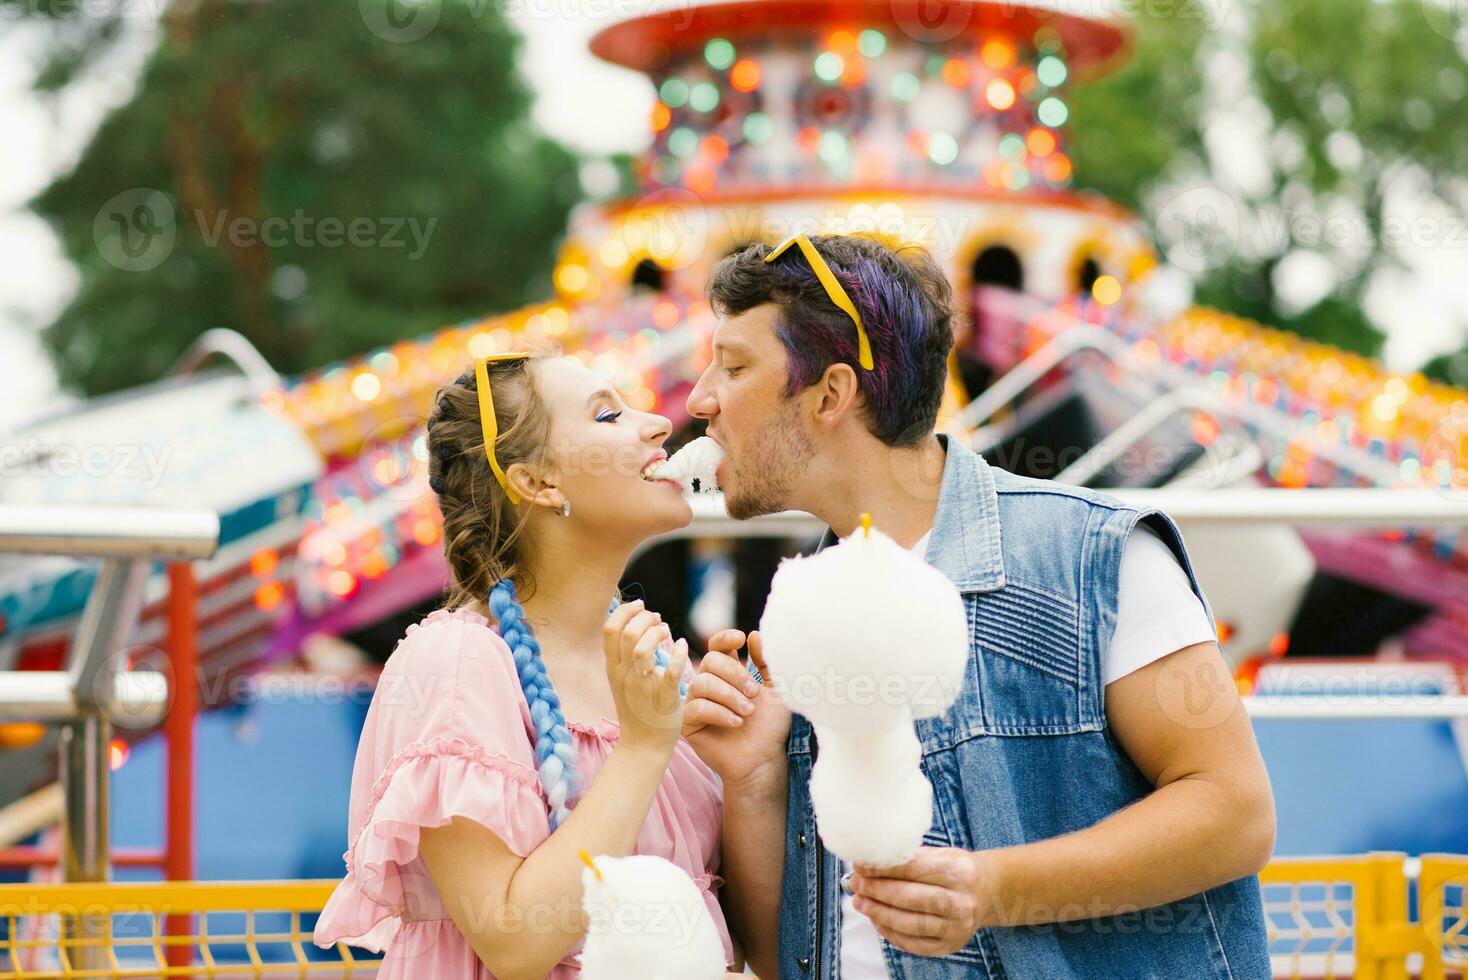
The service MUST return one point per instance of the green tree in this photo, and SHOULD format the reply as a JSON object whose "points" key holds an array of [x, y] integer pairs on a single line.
{"points": [[322, 177], [1363, 99]]}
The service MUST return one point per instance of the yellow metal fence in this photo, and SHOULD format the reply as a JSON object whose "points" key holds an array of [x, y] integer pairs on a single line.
{"points": [[1372, 916], [1354, 916], [229, 929]]}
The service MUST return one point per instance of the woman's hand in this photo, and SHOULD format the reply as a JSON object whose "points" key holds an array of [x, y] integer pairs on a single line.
{"points": [[649, 705]]}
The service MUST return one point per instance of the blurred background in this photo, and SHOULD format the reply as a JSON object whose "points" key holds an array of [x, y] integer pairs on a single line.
{"points": [[1348, 109], [1209, 255]]}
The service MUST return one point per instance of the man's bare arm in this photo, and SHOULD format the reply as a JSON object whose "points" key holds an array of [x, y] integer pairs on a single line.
{"points": [[1208, 821]]}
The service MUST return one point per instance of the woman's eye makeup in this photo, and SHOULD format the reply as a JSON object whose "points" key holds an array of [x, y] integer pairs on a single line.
{"points": [[607, 415]]}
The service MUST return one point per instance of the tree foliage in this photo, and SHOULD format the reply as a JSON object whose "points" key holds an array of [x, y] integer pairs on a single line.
{"points": [[311, 174], [1364, 145]]}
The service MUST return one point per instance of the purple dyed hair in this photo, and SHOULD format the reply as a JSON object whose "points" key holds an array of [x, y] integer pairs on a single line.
{"points": [[906, 306]]}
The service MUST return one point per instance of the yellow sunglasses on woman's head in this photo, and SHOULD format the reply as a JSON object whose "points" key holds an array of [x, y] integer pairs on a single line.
{"points": [[487, 421], [833, 289]]}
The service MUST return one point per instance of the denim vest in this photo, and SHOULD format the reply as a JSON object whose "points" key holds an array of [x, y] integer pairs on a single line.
{"points": [[1025, 753]]}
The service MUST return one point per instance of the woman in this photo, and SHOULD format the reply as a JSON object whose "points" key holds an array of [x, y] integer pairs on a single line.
{"points": [[490, 756]]}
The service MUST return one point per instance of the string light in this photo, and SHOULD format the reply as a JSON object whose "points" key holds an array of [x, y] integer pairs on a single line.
{"points": [[572, 278], [956, 73], [833, 146], [758, 127], [872, 43], [269, 596], [1052, 112], [1051, 71], [997, 54], [719, 53], [366, 386], [1058, 169], [715, 148], [264, 562], [842, 42], [942, 149], [613, 255], [1106, 290], [745, 75], [905, 86], [1040, 142], [829, 66], [674, 91], [683, 142], [704, 97], [999, 93]]}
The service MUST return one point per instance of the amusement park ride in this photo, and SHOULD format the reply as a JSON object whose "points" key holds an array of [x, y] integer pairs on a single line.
{"points": [[822, 116]]}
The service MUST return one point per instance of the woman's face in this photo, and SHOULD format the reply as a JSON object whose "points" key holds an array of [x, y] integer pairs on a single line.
{"points": [[599, 450]]}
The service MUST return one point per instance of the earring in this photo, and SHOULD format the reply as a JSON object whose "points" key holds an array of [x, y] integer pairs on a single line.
{"points": [[565, 510]]}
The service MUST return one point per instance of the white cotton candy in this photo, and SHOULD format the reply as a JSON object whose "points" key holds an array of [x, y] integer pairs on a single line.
{"points": [[862, 639], [647, 919], [696, 461]]}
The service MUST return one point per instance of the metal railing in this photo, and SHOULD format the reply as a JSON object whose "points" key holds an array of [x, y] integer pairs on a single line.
{"points": [[233, 346], [1072, 335], [1350, 916], [239, 929], [1308, 507], [1336, 916], [85, 697], [1305, 507]]}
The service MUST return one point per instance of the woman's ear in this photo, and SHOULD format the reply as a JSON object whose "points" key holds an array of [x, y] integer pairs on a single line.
{"points": [[533, 488]]}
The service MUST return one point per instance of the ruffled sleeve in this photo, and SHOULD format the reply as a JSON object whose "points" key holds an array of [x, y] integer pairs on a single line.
{"points": [[446, 736]]}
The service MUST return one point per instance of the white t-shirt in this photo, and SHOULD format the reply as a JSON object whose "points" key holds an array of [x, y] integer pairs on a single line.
{"points": [[1157, 614]]}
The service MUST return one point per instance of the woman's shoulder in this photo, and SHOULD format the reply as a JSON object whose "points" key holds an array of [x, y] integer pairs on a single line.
{"points": [[450, 640], [452, 669]]}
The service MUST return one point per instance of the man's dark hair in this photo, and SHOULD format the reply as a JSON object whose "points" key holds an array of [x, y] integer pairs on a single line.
{"points": [[906, 306]]}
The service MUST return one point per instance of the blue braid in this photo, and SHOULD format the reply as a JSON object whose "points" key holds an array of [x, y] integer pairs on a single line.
{"points": [[555, 754]]}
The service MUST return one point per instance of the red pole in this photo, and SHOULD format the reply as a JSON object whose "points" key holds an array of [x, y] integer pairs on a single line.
{"points": [[183, 656]]}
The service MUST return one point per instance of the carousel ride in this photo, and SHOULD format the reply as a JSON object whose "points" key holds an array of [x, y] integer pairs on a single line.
{"points": [[774, 118]]}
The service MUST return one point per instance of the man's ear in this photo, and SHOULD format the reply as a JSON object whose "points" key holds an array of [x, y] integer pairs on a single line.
{"points": [[834, 396], [532, 487]]}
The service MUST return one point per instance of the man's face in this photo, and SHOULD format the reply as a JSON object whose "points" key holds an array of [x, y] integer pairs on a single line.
{"points": [[742, 395]]}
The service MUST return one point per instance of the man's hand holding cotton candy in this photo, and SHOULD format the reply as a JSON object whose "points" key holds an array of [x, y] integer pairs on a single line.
{"points": [[933, 904], [736, 725]]}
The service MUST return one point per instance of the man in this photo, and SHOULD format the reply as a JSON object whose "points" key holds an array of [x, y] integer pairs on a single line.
{"points": [[1100, 806]]}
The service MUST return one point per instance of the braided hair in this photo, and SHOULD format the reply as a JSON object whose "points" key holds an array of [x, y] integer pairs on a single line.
{"points": [[554, 753], [484, 538]]}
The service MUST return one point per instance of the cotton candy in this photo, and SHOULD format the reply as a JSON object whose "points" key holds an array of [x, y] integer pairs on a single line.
{"points": [[862, 639], [647, 919], [696, 461]]}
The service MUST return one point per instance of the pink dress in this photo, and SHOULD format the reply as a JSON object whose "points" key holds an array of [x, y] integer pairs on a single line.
{"points": [[448, 734]]}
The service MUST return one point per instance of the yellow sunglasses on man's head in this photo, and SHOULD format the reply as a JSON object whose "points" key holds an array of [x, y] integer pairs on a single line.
{"points": [[833, 289], [487, 421]]}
